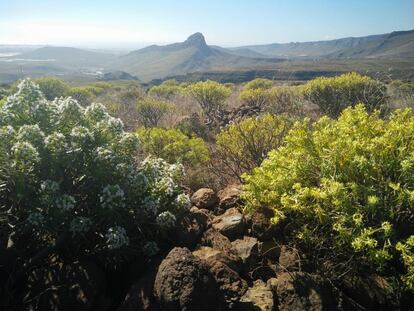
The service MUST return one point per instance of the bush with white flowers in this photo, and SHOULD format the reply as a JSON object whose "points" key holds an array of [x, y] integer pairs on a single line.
{"points": [[69, 170]]}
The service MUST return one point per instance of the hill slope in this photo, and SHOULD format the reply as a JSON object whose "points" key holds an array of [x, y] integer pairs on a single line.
{"points": [[191, 55]]}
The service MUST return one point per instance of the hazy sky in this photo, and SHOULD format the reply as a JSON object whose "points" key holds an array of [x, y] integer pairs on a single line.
{"points": [[223, 22]]}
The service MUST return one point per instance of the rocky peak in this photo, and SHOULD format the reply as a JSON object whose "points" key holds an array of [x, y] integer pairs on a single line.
{"points": [[197, 40]]}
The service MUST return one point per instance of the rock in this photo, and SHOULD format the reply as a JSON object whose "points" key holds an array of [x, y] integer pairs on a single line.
{"points": [[258, 297], [229, 197], [269, 249], [210, 254], [247, 249], [231, 285], [140, 295], [372, 292], [67, 286], [288, 259], [184, 282], [261, 226], [297, 291], [231, 223], [192, 227], [204, 198]]}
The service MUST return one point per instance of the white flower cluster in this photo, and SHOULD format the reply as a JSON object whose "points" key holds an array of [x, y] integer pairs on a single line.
{"points": [[105, 155], [36, 219], [128, 143], [24, 155], [110, 127], [80, 225], [80, 136], [116, 237], [166, 220], [95, 113], [150, 248], [70, 112], [149, 206], [6, 133], [112, 197], [31, 133], [66, 202], [56, 143], [183, 201]]}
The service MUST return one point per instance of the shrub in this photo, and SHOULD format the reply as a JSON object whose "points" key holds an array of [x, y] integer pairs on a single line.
{"points": [[83, 95], [344, 188], [69, 173], [255, 97], [332, 95], [259, 83], [285, 99], [211, 96], [173, 146], [243, 146], [166, 90], [151, 111], [52, 88]]}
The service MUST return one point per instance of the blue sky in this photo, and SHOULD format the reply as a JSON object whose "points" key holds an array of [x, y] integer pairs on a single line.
{"points": [[223, 22]]}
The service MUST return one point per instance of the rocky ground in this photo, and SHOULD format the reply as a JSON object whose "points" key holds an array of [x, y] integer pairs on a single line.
{"points": [[223, 260]]}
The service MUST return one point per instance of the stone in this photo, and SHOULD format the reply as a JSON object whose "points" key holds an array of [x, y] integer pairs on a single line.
{"points": [[192, 227], [288, 259], [231, 223], [210, 254], [247, 249], [204, 198], [184, 282], [269, 249], [261, 226], [258, 297], [229, 197], [297, 291]]}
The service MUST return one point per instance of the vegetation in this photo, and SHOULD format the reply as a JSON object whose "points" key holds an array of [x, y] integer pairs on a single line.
{"points": [[151, 111], [173, 146], [344, 188], [69, 179], [332, 95], [52, 87], [258, 83], [243, 146], [166, 90]]}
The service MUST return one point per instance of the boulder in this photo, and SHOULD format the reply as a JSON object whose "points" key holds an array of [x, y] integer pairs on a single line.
{"points": [[261, 227], [247, 249], [184, 282], [288, 259], [229, 197], [209, 254], [298, 291], [269, 249], [231, 223], [192, 227], [204, 198], [258, 297]]}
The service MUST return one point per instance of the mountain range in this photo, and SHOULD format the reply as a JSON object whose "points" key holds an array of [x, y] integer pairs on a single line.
{"points": [[194, 55]]}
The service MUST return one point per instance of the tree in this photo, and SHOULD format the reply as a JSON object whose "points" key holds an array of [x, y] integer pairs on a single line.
{"points": [[333, 95], [151, 111], [211, 96]]}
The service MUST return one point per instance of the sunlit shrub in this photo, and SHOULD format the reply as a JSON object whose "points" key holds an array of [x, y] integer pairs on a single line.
{"points": [[151, 111], [173, 146], [258, 83], [52, 87], [242, 146], [344, 188], [332, 95], [69, 171], [166, 90]]}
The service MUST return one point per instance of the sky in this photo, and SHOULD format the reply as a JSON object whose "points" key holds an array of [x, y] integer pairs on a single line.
{"points": [[96, 23]]}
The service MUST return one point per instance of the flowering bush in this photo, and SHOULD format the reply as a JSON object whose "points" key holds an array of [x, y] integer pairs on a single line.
{"points": [[66, 170], [344, 189]]}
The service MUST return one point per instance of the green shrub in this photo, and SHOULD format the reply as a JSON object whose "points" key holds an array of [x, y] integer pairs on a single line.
{"points": [[151, 111], [332, 95], [166, 90], [255, 97], [69, 172], [83, 95], [259, 83], [211, 96], [344, 188], [52, 88], [285, 99], [173, 146], [243, 146]]}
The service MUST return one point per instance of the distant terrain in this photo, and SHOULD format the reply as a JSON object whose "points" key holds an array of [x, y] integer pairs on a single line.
{"points": [[386, 54]]}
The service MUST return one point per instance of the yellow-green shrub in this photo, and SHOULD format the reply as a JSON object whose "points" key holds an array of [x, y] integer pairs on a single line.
{"points": [[332, 95], [243, 146], [173, 146], [259, 83], [345, 187]]}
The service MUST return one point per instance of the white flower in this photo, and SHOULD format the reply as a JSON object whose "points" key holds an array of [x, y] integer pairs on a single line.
{"points": [[31, 133], [25, 156], [96, 112], [56, 144], [80, 224], [150, 249], [49, 187], [112, 196], [150, 206], [116, 237], [80, 136], [104, 155], [66, 202], [36, 219], [166, 220], [183, 201]]}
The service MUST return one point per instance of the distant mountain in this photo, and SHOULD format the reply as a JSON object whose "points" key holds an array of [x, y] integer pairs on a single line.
{"points": [[68, 56], [192, 55], [395, 45]]}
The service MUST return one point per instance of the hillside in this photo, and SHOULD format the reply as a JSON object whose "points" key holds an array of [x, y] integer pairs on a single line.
{"points": [[68, 56], [398, 44], [192, 55]]}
